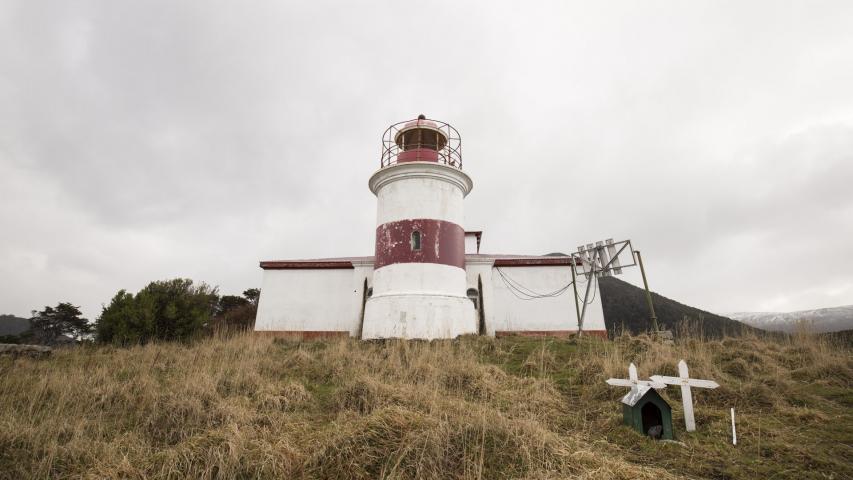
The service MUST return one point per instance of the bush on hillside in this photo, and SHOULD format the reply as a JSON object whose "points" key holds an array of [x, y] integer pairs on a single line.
{"points": [[164, 310], [236, 314]]}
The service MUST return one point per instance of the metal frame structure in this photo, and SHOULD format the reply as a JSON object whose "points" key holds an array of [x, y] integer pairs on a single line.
{"points": [[450, 154], [603, 257], [597, 260]]}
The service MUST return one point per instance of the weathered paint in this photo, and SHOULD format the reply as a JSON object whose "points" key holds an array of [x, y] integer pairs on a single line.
{"points": [[414, 278], [441, 242], [419, 293], [420, 190], [418, 155], [418, 316]]}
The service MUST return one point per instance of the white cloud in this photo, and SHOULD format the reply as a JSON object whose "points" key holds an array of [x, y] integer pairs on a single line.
{"points": [[144, 141]]}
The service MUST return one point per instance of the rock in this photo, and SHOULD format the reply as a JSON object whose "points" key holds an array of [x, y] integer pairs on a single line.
{"points": [[656, 431], [29, 350]]}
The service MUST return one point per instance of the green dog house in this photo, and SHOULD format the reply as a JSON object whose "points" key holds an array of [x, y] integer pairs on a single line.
{"points": [[643, 409]]}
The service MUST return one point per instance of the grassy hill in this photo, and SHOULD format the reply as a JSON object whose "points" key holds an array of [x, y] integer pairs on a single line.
{"points": [[625, 308], [249, 407]]}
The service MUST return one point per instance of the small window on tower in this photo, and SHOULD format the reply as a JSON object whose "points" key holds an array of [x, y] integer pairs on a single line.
{"points": [[416, 240]]}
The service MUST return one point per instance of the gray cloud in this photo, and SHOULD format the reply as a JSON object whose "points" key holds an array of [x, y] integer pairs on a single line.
{"points": [[158, 139]]}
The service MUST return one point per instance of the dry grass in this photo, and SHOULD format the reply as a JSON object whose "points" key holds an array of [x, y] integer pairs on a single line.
{"points": [[471, 408]]}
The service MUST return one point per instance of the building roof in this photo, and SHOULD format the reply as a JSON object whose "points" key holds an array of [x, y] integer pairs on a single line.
{"points": [[634, 396], [500, 260], [314, 263]]}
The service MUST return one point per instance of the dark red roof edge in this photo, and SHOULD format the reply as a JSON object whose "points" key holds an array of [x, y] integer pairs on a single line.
{"points": [[529, 262], [305, 265]]}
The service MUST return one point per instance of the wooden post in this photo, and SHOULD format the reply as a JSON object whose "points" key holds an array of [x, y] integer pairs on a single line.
{"points": [[683, 379], [686, 398], [654, 317], [734, 433], [634, 381]]}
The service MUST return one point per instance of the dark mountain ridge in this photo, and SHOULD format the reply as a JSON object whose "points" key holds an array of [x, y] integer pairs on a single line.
{"points": [[12, 325], [625, 308]]}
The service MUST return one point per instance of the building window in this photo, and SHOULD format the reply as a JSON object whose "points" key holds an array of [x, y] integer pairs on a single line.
{"points": [[416, 240]]}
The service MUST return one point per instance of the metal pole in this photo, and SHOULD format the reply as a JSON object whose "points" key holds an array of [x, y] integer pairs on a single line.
{"points": [[575, 287], [590, 277], [648, 294]]}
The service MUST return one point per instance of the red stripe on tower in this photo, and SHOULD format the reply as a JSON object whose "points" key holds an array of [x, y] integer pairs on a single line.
{"points": [[420, 241]]}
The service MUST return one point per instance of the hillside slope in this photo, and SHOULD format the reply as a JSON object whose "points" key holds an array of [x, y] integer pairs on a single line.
{"points": [[250, 407], [625, 307], [12, 325], [821, 320]]}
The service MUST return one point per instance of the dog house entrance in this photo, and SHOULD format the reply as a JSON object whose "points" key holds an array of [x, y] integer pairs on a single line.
{"points": [[651, 416]]}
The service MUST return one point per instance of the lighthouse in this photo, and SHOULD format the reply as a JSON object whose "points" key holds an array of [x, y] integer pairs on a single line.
{"points": [[427, 277], [419, 277]]}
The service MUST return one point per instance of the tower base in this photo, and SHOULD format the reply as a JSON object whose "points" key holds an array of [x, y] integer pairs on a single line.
{"points": [[418, 316]]}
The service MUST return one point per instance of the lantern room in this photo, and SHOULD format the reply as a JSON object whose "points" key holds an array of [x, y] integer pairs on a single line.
{"points": [[421, 140]]}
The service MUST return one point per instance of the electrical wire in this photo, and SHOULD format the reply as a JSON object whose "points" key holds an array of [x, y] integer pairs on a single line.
{"points": [[516, 288], [594, 286], [523, 293]]}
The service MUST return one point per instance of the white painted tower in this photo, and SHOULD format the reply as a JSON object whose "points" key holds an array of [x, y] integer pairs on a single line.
{"points": [[419, 280]]}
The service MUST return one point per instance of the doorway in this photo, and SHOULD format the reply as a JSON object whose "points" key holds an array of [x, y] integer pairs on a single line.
{"points": [[652, 417]]}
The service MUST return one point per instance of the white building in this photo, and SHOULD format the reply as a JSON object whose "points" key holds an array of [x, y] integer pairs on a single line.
{"points": [[427, 278]]}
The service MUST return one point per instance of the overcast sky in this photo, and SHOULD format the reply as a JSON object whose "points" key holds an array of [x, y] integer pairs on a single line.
{"points": [[150, 140]]}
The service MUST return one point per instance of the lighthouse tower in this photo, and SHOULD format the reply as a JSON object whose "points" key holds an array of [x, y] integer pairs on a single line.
{"points": [[419, 271]]}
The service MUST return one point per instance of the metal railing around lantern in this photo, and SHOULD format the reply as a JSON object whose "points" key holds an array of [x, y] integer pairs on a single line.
{"points": [[396, 141]]}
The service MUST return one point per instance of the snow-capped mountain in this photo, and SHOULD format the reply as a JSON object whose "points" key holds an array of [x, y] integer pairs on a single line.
{"points": [[816, 321]]}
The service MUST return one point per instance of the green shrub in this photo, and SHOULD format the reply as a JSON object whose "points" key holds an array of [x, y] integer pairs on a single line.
{"points": [[164, 310]]}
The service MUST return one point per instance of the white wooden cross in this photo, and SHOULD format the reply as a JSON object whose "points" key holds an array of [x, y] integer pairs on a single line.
{"points": [[684, 380], [633, 381]]}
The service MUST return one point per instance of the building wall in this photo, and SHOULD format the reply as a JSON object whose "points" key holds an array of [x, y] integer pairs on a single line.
{"points": [[312, 300], [420, 197], [554, 315], [483, 270], [329, 300]]}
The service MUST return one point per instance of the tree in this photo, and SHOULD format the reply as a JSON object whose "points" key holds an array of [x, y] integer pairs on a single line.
{"points": [[51, 323], [236, 314], [163, 310], [252, 295], [228, 303]]}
